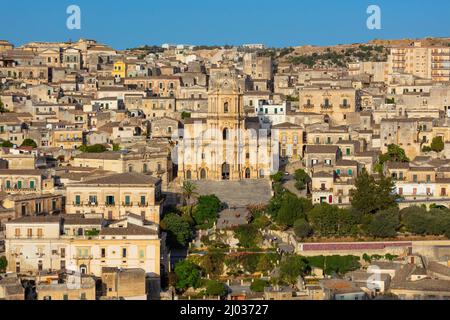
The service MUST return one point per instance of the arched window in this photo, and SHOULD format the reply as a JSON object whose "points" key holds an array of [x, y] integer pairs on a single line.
{"points": [[188, 175], [261, 173], [145, 168], [225, 107], [247, 173], [130, 169], [226, 134], [203, 174]]}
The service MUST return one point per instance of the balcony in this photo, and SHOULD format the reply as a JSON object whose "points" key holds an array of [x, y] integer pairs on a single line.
{"points": [[308, 106], [109, 205], [124, 204], [92, 204], [326, 106], [345, 106], [143, 205], [77, 204], [88, 257]]}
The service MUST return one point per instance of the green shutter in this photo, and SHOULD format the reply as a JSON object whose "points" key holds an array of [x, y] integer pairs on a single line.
{"points": [[32, 185], [19, 185], [77, 200]]}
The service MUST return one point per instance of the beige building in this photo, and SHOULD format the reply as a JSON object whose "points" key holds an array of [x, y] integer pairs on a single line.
{"points": [[76, 287], [422, 61], [116, 196], [224, 145], [290, 137], [128, 284], [338, 103], [25, 181], [154, 161], [258, 67], [43, 244]]}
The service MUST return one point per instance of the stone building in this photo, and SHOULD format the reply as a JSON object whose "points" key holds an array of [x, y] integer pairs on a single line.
{"points": [[224, 145]]}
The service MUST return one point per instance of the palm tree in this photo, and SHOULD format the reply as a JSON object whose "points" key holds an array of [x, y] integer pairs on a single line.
{"points": [[189, 190]]}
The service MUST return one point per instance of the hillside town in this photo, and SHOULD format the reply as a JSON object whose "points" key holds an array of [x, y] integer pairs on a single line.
{"points": [[182, 172]]}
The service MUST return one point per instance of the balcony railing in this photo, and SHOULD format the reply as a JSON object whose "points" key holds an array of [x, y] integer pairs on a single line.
{"points": [[345, 106], [308, 106], [325, 106]]}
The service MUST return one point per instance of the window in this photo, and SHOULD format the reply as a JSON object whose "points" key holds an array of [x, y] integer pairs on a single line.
{"points": [[65, 296], [103, 252], [428, 178], [203, 174], [77, 200], [225, 107], [8, 184], [19, 184], [348, 151], [63, 253], [40, 233], [30, 233], [32, 186], [143, 202], [124, 252], [110, 200], [92, 199], [127, 200], [83, 296], [415, 179], [225, 134], [17, 233], [350, 172], [141, 254]]}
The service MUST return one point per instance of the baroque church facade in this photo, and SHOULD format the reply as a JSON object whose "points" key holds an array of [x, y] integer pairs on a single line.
{"points": [[225, 145]]}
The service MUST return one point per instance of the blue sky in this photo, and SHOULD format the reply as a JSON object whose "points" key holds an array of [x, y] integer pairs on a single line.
{"points": [[278, 23]]}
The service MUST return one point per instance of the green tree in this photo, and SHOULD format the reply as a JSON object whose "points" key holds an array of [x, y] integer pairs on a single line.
{"points": [[259, 285], [216, 288], [212, 263], [207, 211], [189, 191], [3, 264], [96, 148], [29, 143], [384, 224], [330, 220], [292, 267], [185, 115], [248, 236], [370, 196], [394, 154], [266, 263], [302, 179], [292, 209], [7, 144], [178, 230], [437, 145], [116, 147], [188, 275], [278, 177], [415, 220], [302, 229]]}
